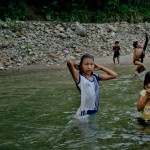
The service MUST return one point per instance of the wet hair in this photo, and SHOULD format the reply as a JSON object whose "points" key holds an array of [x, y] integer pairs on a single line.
{"points": [[147, 79], [135, 44], [117, 42], [81, 61]]}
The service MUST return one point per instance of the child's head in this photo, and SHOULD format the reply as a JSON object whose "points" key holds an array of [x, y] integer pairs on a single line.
{"points": [[147, 80], [136, 44], [117, 43], [86, 64]]}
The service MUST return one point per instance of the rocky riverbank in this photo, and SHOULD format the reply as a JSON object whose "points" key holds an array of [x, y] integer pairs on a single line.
{"points": [[46, 43]]}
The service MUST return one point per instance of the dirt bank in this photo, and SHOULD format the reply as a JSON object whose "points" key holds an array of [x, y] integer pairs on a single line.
{"points": [[104, 61]]}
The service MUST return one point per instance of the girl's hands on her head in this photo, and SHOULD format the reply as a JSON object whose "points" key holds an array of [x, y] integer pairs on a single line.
{"points": [[97, 67], [76, 65]]}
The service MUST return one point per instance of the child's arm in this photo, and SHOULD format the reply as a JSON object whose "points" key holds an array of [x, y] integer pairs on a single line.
{"points": [[143, 100], [120, 51], [143, 52], [110, 74], [113, 49], [72, 68], [146, 42]]}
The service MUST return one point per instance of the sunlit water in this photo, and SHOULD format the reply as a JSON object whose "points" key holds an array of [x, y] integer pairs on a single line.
{"points": [[37, 111]]}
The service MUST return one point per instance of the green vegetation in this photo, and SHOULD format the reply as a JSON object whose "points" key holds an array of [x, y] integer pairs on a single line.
{"points": [[87, 11], [13, 9]]}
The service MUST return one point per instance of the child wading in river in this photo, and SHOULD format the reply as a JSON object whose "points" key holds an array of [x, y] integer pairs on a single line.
{"points": [[116, 50], [144, 99], [88, 83], [138, 56]]}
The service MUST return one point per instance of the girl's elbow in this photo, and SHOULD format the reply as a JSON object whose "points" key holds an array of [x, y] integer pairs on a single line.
{"points": [[69, 62], [139, 108]]}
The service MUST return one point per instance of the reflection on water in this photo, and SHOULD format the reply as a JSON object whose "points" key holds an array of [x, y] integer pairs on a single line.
{"points": [[37, 112]]}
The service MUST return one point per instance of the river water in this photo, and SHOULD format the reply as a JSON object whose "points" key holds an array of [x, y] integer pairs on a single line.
{"points": [[37, 111]]}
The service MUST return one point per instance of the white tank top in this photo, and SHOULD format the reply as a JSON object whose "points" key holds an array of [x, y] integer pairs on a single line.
{"points": [[89, 95]]}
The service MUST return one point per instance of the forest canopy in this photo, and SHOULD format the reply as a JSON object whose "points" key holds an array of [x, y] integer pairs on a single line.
{"points": [[85, 11]]}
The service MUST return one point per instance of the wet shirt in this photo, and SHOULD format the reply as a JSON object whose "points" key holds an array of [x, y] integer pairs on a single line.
{"points": [[146, 110], [116, 50], [89, 95]]}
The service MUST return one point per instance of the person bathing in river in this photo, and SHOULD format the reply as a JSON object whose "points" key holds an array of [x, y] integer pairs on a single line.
{"points": [[144, 99], [138, 56], [116, 50], [88, 83]]}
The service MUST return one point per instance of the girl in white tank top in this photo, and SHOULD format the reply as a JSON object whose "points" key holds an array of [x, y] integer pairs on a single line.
{"points": [[88, 83]]}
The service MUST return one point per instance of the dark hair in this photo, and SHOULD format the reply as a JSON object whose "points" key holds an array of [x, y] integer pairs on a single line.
{"points": [[147, 79], [81, 61], [135, 44], [117, 42]]}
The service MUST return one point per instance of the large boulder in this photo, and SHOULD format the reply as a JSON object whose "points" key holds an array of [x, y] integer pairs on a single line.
{"points": [[80, 30]]}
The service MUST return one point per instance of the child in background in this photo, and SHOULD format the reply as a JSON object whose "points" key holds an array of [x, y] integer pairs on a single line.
{"points": [[138, 56], [116, 50], [88, 83], [144, 99]]}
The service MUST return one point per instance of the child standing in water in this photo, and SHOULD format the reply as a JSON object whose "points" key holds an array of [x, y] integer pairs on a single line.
{"points": [[88, 83], [144, 99], [116, 50], [138, 56]]}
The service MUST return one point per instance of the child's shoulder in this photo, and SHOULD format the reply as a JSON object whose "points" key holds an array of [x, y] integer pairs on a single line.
{"points": [[143, 92], [135, 49], [96, 76]]}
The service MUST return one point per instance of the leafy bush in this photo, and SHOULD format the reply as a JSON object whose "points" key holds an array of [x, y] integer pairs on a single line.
{"points": [[15, 10], [78, 10]]}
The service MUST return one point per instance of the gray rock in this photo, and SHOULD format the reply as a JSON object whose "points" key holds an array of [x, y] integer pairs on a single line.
{"points": [[23, 47], [112, 35], [58, 26], [123, 25], [64, 36], [69, 30], [112, 28], [104, 55], [61, 29], [39, 42], [80, 30], [1, 65], [2, 68]]}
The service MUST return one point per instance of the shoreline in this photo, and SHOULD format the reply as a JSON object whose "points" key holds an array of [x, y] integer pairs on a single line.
{"points": [[104, 61]]}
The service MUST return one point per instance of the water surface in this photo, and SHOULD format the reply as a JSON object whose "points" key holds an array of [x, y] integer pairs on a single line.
{"points": [[37, 111]]}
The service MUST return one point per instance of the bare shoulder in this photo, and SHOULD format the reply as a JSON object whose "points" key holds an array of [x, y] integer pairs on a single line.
{"points": [[135, 50]]}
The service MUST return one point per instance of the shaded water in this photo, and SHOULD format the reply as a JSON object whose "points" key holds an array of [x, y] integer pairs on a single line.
{"points": [[37, 109]]}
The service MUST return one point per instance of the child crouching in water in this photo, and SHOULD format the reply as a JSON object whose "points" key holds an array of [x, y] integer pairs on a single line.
{"points": [[139, 55], [88, 83], [144, 99]]}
